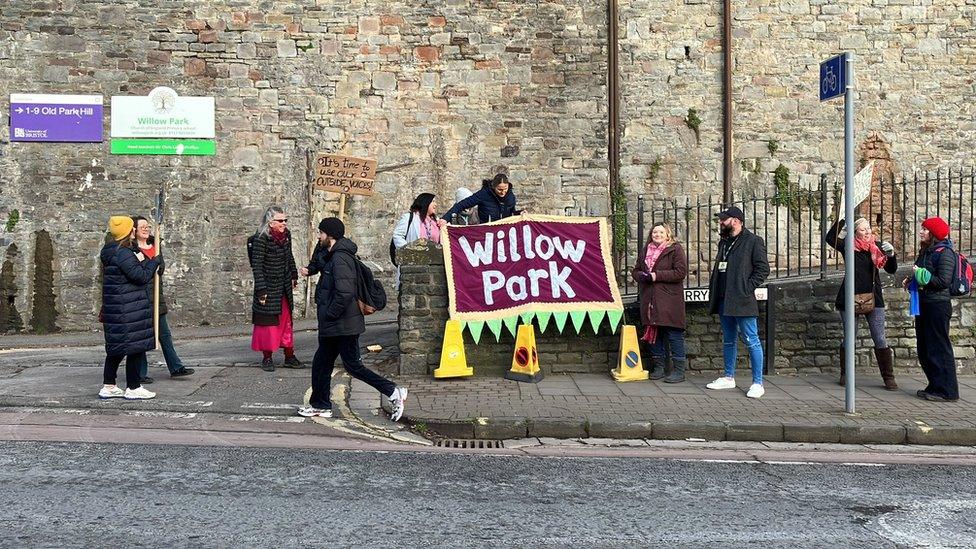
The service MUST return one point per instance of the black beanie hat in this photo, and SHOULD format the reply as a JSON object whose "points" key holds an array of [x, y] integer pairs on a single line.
{"points": [[333, 227]]}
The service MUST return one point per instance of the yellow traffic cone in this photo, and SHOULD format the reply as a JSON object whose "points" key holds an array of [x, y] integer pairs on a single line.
{"points": [[629, 367], [453, 361], [525, 360]]}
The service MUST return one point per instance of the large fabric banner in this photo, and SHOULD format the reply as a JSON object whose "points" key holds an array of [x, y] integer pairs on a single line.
{"points": [[531, 267]]}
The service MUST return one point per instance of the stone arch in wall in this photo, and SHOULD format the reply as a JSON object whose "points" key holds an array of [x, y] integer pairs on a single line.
{"points": [[884, 208]]}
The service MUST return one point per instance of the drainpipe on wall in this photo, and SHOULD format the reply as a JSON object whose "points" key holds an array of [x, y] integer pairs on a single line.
{"points": [[727, 99], [614, 99]]}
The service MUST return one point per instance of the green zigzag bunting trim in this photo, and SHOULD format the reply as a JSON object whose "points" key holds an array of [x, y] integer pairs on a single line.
{"points": [[560, 319], [614, 318], [596, 317], [474, 329], [527, 317], [543, 318], [496, 328], [512, 324], [579, 317]]}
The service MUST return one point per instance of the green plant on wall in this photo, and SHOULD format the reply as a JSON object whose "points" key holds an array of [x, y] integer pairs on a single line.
{"points": [[654, 169], [12, 220], [781, 181], [773, 146], [694, 122], [618, 208]]}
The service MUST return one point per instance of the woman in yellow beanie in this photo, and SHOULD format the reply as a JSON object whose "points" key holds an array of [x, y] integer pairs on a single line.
{"points": [[126, 309]]}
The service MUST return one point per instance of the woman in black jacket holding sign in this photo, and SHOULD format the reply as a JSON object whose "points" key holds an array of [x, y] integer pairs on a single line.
{"points": [[870, 256]]}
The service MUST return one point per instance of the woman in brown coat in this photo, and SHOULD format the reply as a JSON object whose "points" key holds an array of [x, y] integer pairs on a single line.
{"points": [[660, 274]]}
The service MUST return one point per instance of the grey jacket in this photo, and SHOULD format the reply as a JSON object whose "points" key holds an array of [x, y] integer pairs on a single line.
{"points": [[337, 291], [747, 269]]}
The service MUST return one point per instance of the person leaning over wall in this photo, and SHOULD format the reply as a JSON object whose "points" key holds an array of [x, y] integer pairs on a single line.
{"points": [[275, 277], [870, 256], [661, 273], [740, 268], [495, 200], [933, 272], [127, 310], [147, 245]]}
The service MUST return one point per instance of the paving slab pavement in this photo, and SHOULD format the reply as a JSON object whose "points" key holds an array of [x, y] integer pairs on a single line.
{"points": [[796, 408]]}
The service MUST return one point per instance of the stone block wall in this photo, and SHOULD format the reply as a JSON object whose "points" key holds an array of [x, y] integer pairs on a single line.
{"points": [[445, 91], [807, 329]]}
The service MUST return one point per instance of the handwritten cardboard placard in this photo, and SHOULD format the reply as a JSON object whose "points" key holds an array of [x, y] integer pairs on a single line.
{"points": [[344, 174]]}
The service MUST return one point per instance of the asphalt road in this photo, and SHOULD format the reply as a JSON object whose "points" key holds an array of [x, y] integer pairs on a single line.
{"points": [[87, 495]]}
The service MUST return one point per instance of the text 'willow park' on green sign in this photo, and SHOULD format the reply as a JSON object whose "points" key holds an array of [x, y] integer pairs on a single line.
{"points": [[188, 147]]}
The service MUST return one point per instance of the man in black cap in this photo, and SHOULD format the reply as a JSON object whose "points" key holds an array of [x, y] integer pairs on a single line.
{"points": [[741, 267], [340, 322]]}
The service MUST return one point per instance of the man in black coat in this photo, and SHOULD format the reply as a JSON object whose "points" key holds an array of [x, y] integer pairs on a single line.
{"points": [[741, 267], [341, 322]]}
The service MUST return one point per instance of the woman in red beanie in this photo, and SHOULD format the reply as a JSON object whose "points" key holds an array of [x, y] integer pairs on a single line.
{"points": [[933, 275]]}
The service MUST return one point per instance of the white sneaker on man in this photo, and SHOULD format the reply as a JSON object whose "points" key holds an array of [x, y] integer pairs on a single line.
{"points": [[139, 393], [756, 390], [309, 411], [397, 400], [110, 391], [722, 383]]}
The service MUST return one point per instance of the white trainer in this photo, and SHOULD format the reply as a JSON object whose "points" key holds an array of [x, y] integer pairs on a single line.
{"points": [[140, 393], [309, 411], [110, 391], [722, 383], [756, 390], [397, 400]]}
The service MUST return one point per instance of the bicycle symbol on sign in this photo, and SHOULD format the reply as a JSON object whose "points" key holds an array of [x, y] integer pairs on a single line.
{"points": [[828, 82]]}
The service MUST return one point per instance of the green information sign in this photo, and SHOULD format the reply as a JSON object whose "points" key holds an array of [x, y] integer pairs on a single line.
{"points": [[197, 147]]}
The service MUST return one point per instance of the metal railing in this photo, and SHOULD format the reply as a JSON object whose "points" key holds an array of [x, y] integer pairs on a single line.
{"points": [[794, 221]]}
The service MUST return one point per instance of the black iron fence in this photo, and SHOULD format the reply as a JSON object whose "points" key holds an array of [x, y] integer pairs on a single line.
{"points": [[794, 220]]}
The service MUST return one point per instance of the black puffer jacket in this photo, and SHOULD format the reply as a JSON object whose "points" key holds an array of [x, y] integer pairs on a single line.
{"points": [[273, 267], [491, 207], [337, 290], [126, 306], [942, 266], [867, 278]]}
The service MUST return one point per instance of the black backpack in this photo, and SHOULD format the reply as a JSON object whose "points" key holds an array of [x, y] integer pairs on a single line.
{"points": [[371, 295], [393, 247]]}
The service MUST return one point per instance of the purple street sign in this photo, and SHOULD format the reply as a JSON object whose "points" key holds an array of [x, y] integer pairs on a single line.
{"points": [[59, 118]]}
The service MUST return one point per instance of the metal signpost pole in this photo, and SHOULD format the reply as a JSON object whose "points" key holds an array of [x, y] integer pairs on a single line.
{"points": [[849, 241]]}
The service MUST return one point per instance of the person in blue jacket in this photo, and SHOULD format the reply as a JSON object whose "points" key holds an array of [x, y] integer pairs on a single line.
{"points": [[127, 310], [495, 200]]}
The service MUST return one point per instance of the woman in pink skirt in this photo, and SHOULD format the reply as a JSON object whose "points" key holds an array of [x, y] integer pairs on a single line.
{"points": [[275, 276]]}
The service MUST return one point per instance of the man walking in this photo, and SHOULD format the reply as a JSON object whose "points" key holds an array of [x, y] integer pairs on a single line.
{"points": [[741, 267], [340, 322]]}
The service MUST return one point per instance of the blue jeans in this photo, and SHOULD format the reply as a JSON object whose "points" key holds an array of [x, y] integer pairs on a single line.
{"points": [[675, 338], [748, 328], [173, 361]]}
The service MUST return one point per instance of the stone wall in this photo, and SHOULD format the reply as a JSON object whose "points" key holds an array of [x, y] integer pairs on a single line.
{"points": [[446, 90], [807, 329]]}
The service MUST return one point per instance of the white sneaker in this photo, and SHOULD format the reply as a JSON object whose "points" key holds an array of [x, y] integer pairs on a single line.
{"points": [[397, 400], [756, 390], [139, 394], [309, 411], [110, 391], [722, 383]]}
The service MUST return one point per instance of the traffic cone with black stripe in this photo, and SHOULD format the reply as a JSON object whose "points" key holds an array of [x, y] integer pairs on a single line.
{"points": [[629, 366]]}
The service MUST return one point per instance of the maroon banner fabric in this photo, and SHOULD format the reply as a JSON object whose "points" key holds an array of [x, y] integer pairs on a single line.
{"points": [[529, 263]]}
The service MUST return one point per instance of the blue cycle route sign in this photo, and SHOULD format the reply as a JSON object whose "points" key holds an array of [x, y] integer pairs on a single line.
{"points": [[833, 77]]}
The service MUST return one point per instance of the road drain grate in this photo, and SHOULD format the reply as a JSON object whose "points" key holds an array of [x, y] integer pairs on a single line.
{"points": [[466, 443]]}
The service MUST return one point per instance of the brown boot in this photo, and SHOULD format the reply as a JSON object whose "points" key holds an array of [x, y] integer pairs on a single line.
{"points": [[843, 368], [886, 365]]}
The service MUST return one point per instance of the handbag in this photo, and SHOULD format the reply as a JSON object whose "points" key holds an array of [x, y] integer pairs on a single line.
{"points": [[863, 303]]}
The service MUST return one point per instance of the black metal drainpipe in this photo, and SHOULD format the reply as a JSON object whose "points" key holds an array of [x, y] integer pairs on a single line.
{"points": [[727, 98], [614, 99]]}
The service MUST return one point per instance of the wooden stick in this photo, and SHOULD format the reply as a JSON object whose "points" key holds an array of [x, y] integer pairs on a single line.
{"points": [[342, 207], [311, 226], [156, 281]]}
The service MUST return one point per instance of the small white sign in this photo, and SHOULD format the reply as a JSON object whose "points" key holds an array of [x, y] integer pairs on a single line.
{"points": [[163, 113], [700, 295], [862, 188]]}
